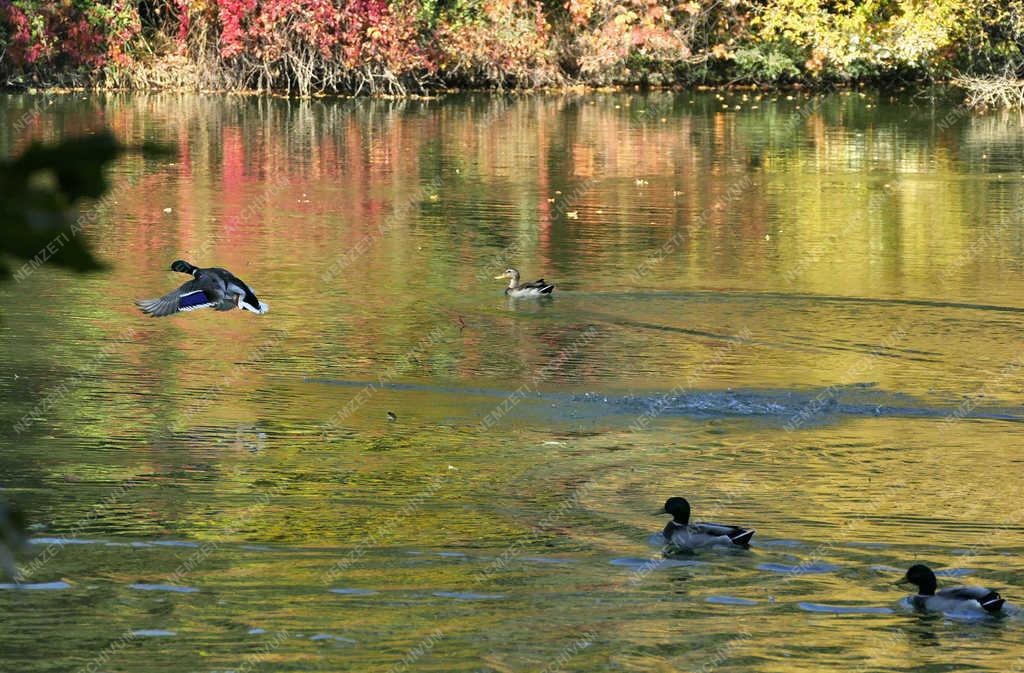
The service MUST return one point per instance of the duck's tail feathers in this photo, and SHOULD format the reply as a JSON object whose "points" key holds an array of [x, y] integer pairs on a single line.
{"points": [[181, 266], [993, 602], [547, 288], [742, 537], [259, 309]]}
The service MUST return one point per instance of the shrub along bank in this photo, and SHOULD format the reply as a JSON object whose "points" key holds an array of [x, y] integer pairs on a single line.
{"points": [[415, 46]]}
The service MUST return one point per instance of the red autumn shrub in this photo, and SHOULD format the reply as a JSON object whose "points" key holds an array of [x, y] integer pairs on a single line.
{"points": [[67, 42], [506, 43], [385, 42], [620, 41], [401, 46], [306, 45]]}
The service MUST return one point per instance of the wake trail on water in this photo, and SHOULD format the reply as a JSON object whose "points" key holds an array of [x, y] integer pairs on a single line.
{"points": [[795, 407]]}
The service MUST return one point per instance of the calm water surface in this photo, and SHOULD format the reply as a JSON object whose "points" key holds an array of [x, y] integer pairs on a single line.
{"points": [[802, 313]]}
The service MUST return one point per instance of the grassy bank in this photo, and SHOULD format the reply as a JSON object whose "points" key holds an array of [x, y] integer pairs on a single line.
{"points": [[305, 47]]}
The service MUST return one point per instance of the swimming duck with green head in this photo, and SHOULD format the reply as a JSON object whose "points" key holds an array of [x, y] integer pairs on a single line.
{"points": [[680, 533]]}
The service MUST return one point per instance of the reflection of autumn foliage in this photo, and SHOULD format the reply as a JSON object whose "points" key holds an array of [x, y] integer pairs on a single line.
{"points": [[402, 46]]}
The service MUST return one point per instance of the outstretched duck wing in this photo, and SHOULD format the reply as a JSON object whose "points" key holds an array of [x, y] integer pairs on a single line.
{"points": [[191, 296]]}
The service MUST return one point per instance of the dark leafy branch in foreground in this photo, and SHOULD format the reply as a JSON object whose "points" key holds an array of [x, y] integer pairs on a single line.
{"points": [[38, 193], [41, 191], [13, 533]]}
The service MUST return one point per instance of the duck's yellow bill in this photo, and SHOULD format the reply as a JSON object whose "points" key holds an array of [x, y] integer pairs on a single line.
{"points": [[499, 277]]}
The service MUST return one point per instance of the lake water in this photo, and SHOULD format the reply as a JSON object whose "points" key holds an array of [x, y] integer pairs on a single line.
{"points": [[803, 313]]}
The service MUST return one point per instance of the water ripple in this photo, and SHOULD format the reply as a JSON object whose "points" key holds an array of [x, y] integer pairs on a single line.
{"points": [[844, 609], [164, 587]]}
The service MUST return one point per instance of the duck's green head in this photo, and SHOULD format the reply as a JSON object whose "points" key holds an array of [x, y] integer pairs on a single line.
{"points": [[923, 578], [679, 508]]}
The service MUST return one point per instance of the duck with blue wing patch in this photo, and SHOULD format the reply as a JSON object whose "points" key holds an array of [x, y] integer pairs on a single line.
{"points": [[209, 288], [681, 535], [190, 301], [953, 599]]}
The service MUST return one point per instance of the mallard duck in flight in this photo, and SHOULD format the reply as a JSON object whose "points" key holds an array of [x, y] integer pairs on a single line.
{"points": [[519, 290], [681, 534], [209, 288]]}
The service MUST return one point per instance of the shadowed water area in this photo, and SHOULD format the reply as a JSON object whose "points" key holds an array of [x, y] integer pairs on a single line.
{"points": [[803, 313]]}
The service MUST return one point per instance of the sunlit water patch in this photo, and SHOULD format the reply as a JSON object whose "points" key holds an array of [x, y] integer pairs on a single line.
{"points": [[805, 316]]}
